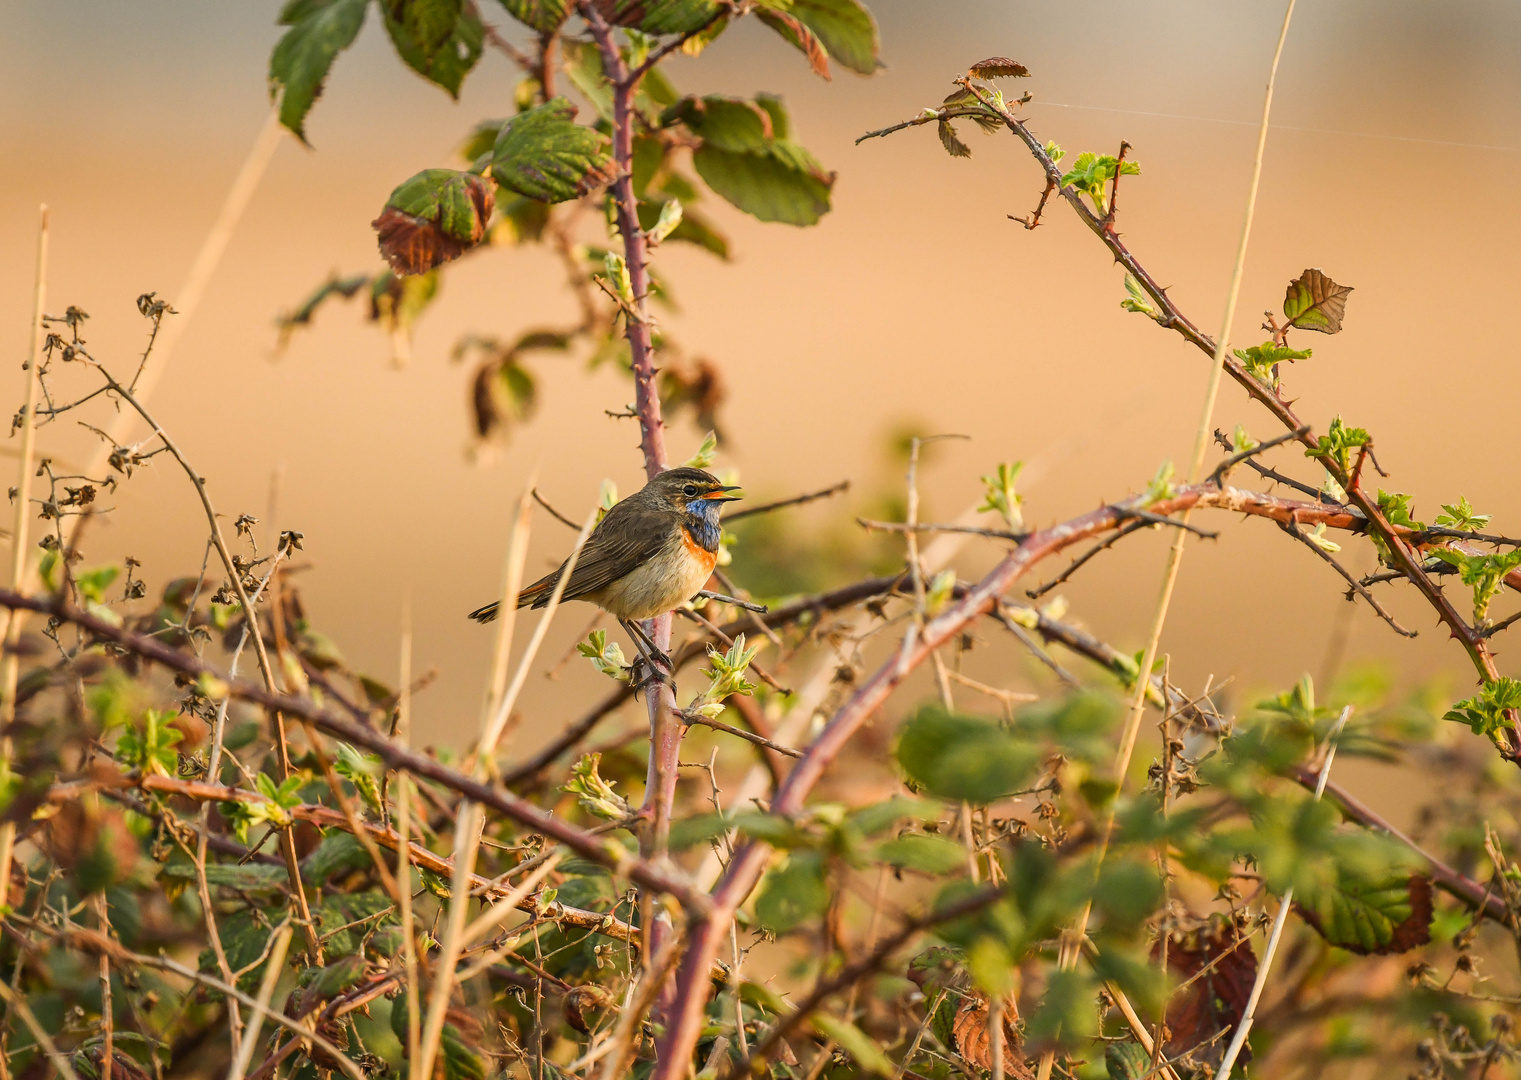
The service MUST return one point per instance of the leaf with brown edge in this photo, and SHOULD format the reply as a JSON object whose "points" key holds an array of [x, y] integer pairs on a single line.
{"points": [[1314, 302], [1214, 1000], [998, 67], [1391, 915], [953, 146], [800, 37], [433, 218]]}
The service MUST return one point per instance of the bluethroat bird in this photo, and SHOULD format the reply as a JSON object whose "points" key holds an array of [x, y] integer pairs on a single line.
{"points": [[650, 553]]}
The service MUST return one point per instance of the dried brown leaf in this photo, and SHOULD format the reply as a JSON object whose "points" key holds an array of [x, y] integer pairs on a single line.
{"points": [[953, 146], [973, 1039], [998, 67], [1216, 999]]}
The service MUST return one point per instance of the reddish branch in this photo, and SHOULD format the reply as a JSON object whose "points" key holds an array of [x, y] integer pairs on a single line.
{"points": [[1405, 557]]}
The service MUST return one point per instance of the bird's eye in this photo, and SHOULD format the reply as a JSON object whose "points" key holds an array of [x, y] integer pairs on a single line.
{"points": [[690, 491]]}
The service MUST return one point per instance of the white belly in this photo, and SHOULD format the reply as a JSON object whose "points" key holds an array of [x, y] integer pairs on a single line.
{"points": [[659, 585]]}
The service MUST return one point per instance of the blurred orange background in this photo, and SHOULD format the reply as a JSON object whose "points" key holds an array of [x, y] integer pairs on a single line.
{"points": [[915, 303]]}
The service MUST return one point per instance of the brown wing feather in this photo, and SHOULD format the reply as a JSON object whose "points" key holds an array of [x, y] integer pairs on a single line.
{"points": [[627, 536]]}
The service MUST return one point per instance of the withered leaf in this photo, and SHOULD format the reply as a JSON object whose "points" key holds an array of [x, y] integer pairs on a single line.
{"points": [[433, 218], [1214, 1000], [953, 146], [998, 67], [1314, 302], [973, 1038], [579, 1000]]}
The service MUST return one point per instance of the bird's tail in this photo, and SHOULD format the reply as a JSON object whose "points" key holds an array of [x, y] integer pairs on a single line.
{"points": [[536, 595]]}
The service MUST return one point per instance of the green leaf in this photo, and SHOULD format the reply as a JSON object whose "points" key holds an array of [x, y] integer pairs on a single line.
{"points": [[254, 877], [660, 16], [1315, 302], [1460, 515], [1065, 1016], [339, 852], [1091, 174], [883, 815], [1262, 360], [846, 28], [540, 15], [783, 183], [1387, 914], [92, 584], [692, 229], [1485, 573], [1339, 442], [433, 218], [595, 795], [1126, 1061], [543, 154], [920, 851], [1000, 497], [963, 757], [151, 747], [854, 1042], [441, 40], [793, 892], [727, 123], [1136, 299], [1484, 713], [319, 31]]}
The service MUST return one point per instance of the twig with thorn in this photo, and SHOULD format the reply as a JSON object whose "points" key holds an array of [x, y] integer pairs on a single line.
{"points": [[1124, 531], [748, 736], [1162, 519], [1218, 476], [1292, 528], [561, 518]]}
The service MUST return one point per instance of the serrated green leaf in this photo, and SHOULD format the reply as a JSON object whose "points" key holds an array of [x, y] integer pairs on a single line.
{"points": [[319, 31], [1387, 914], [1484, 713], [441, 40], [660, 16], [784, 183], [1461, 515], [545, 155]]}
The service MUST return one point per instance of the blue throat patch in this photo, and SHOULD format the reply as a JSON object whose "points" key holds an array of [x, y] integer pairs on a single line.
{"points": [[701, 521]]}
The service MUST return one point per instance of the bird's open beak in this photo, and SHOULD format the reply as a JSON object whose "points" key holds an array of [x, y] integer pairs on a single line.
{"points": [[714, 495]]}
